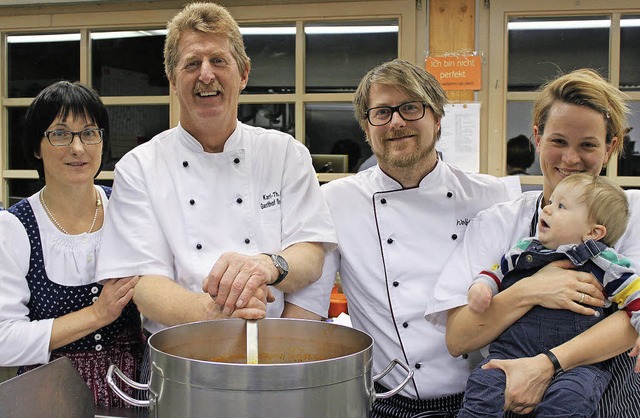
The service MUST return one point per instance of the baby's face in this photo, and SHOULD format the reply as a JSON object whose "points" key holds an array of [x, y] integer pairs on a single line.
{"points": [[565, 219]]}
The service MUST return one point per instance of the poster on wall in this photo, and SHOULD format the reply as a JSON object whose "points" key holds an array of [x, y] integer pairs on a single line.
{"points": [[460, 138], [456, 71]]}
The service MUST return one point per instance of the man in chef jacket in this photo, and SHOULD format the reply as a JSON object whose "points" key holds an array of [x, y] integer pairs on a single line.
{"points": [[214, 204], [397, 223]]}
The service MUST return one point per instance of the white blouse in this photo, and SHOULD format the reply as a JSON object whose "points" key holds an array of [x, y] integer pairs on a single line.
{"points": [[69, 261]]}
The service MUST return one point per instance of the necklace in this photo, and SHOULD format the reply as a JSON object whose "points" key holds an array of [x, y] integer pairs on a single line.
{"points": [[55, 221]]}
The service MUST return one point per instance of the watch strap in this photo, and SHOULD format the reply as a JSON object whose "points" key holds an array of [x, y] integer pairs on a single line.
{"points": [[280, 278], [281, 272], [557, 368]]}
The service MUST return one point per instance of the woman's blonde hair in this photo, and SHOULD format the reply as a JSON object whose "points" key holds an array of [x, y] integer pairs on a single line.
{"points": [[208, 18], [606, 203], [585, 87]]}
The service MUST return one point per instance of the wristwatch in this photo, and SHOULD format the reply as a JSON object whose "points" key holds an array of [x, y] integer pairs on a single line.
{"points": [[282, 266], [557, 368]]}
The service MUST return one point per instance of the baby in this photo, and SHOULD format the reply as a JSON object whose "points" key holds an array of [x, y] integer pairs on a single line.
{"points": [[583, 218]]}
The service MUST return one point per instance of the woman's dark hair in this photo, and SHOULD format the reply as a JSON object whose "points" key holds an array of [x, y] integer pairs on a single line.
{"points": [[62, 99]]}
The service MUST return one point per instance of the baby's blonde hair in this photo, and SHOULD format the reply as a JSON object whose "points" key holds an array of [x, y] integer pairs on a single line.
{"points": [[606, 202]]}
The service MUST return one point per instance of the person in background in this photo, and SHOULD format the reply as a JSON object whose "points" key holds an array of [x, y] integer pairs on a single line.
{"points": [[585, 215], [578, 119], [627, 165], [520, 155], [350, 148], [387, 218], [49, 304], [213, 200]]}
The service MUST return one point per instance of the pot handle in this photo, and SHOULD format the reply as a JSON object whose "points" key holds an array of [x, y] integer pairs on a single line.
{"points": [[128, 399], [386, 371]]}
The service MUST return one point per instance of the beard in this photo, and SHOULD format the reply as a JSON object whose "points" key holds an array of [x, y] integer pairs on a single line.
{"points": [[420, 153]]}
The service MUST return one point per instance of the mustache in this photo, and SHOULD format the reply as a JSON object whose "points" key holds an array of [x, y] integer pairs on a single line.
{"points": [[212, 87], [399, 133]]}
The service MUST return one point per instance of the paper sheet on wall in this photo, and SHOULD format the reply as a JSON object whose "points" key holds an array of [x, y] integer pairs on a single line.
{"points": [[460, 138]]}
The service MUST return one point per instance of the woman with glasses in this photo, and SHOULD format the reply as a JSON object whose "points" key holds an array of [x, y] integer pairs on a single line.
{"points": [[49, 305]]}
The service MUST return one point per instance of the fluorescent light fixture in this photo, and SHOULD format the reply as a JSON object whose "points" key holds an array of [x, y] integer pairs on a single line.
{"points": [[325, 30], [630, 23], [268, 30], [65, 37], [264, 30], [32, 39], [317, 30], [570, 24], [128, 34]]}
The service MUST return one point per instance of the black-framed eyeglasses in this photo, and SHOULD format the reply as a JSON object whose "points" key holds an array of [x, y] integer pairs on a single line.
{"points": [[409, 111], [62, 137]]}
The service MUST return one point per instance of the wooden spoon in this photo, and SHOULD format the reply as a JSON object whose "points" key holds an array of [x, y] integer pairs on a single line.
{"points": [[252, 341]]}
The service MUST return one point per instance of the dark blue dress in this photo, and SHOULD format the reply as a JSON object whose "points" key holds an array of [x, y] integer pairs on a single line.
{"points": [[120, 343]]}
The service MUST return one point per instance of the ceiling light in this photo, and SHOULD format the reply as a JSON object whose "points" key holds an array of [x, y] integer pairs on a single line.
{"points": [[325, 30], [31, 39], [569, 24]]}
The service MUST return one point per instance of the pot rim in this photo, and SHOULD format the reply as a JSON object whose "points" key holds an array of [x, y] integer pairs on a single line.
{"points": [[275, 376]]}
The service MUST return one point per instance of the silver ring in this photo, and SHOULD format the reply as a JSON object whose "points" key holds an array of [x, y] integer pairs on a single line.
{"points": [[581, 298]]}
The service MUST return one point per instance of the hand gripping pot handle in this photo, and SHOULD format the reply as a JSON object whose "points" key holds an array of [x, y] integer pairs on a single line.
{"points": [[386, 371], [128, 399]]}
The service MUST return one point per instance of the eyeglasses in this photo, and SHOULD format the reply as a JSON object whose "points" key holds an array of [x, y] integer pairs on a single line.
{"points": [[409, 111], [62, 138]]}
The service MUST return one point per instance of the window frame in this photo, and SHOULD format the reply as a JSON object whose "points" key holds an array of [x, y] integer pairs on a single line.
{"points": [[498, 95], [90, 17]]}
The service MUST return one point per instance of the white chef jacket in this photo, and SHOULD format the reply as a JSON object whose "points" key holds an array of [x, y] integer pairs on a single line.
{"points": [[392, 245], [69, 261], [176, 208], [494, 232]]}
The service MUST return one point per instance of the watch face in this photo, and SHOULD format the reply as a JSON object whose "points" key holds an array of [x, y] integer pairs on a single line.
{"points": [[282, 263]]}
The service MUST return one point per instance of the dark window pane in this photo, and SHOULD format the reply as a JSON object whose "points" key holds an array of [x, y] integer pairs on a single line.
{"points": [[108, 183], [15, 130], [130, 126], [129, 63], [519, 123], [23, 188], [629, 165], [273, 59], [279, 116], [134, 125], [338, 55], [539, 55], [630, 53], [20, 189], [34, 62], [333, 130]]}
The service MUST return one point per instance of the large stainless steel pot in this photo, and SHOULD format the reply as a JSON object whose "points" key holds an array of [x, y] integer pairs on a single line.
{"points": [[307, 369]]}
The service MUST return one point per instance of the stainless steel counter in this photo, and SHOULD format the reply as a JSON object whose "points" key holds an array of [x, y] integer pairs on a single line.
{"points": [[55, 389], [52, 390]]}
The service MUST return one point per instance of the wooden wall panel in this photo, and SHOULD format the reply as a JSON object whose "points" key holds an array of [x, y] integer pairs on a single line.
{"points": [[452, 25]]}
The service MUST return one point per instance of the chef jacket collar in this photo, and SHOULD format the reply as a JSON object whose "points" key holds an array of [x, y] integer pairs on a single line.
{"points": [[434, 178], [190, 142]]}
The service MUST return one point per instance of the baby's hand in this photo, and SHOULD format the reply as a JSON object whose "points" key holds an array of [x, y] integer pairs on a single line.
{"points": [[634, 353], [479, 297]]}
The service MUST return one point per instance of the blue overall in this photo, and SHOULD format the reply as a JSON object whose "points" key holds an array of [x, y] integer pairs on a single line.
{"points": [[575, 393]]}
